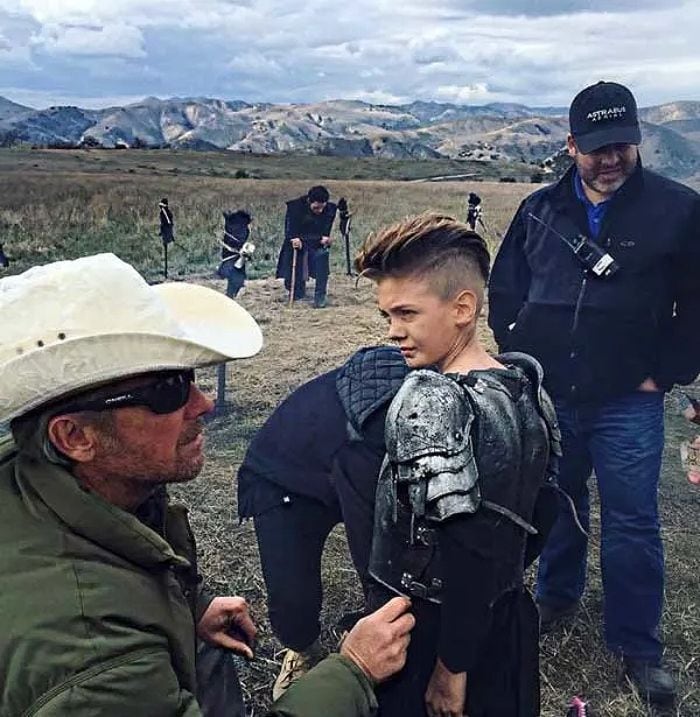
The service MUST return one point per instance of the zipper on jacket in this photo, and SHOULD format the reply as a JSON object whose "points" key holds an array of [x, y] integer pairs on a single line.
{"points": [[575, 322]]}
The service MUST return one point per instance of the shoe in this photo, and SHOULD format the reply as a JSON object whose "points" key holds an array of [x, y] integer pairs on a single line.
{"points": [[654, 684], [294, 666], [320, 302], [550, 615]]}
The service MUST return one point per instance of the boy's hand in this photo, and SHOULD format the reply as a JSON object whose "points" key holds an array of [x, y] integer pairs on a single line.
{"points": [[296, 243], [446, 693]]}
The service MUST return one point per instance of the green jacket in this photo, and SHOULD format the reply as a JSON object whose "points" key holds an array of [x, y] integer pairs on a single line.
{"points": [[98, 611]]}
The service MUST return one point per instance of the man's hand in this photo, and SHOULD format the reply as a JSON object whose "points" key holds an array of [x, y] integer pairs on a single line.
{"points": [[446, 693], [378, 643], [296, 243], [326, 241], [648, 385], [227, 623]]}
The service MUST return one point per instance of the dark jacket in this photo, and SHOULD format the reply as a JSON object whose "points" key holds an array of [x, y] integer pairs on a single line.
{"points": [[309, 432], [300, 222], [641, 322]]}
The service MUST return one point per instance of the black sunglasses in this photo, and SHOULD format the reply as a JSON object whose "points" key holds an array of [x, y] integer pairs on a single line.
{"points": [[166, 394]]}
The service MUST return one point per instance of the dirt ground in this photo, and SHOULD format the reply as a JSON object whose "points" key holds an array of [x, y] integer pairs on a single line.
{"points": [[300, 343]]}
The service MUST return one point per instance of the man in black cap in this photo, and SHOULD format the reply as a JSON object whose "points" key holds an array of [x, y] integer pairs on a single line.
{"points": [[597, 278], [307, 233]]}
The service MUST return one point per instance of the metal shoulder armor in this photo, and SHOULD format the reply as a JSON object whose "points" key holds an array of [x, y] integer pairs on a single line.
{"points": [[429, 446], [533, 370]]}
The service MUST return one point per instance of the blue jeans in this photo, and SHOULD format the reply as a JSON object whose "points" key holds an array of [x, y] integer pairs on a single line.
{"points": [[622, 442]]}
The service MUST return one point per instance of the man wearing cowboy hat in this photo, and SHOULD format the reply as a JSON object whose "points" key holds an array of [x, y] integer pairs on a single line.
{"points": [[101, 602]]}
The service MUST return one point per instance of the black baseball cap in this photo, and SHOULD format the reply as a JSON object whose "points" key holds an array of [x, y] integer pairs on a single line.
{"points": [[604, 113]]}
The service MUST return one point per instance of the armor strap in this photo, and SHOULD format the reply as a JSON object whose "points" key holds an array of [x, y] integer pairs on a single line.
{"points": [[502, 510], [574, 513]]}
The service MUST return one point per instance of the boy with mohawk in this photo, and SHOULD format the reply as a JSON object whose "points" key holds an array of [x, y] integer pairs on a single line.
{"points": [[471, 440]]}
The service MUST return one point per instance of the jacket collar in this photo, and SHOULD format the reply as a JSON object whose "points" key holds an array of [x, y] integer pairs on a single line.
{"points": [[93, 518]]}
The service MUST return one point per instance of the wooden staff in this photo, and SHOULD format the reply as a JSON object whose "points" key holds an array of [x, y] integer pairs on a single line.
{"points": [[293, 281]]}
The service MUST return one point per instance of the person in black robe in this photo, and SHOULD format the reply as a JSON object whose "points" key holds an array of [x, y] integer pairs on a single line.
{"points": [[307, 231]]}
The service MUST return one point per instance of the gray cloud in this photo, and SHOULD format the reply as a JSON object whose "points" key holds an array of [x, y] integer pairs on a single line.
{"points": [[540, 8], [290, 51]]}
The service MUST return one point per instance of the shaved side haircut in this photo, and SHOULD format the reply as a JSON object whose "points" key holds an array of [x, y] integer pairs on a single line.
{"points": [[431, 246]]}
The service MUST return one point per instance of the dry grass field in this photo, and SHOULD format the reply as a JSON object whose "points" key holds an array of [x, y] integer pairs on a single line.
{"points": [[69, 203], [49, 214]]}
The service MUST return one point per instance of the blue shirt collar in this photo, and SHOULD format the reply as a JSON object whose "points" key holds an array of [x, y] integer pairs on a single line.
{"points": [[595, 213], [581, 194]]}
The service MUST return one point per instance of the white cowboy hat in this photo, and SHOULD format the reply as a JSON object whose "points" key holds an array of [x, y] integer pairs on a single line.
{"points": [[73, 324]]}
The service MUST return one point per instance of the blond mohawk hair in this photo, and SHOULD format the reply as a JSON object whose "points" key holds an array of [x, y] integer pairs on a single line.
{"points": [[430, 245]]}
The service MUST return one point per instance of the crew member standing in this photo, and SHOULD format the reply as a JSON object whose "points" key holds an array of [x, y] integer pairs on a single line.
{"points": [[614, 325], [307, 230]]}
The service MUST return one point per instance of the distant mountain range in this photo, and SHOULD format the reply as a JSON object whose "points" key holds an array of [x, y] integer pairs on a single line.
{"points": [[501, 131]]}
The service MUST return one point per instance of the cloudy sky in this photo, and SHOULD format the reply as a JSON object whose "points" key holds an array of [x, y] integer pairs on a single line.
{"points": [[540, 52]]}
